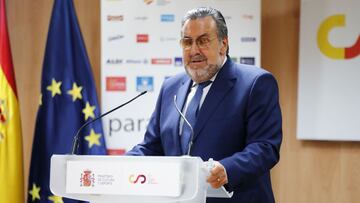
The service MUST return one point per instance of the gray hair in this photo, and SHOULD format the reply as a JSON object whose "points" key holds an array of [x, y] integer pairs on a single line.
{"points": [[201, 12]]}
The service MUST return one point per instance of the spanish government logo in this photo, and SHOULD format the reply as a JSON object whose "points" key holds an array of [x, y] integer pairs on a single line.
{"points": [[87, 179]]}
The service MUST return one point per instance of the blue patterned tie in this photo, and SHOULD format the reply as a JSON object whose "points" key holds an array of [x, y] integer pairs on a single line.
{"points": [[191, 116]]}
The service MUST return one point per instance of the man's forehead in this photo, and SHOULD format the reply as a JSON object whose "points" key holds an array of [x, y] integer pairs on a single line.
{"points": [[199, 26], [204, 35], [207, 20]]}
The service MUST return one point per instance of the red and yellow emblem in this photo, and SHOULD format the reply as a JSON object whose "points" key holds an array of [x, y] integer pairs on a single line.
{"points": [[87, 179], [3, 119], [2, 112]]}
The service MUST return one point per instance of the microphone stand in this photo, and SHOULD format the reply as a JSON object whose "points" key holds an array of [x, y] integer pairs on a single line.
{"points": [[187, 123], [75, 144]]}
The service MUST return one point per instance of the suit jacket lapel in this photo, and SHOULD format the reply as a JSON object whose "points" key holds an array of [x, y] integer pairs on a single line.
{"points": [[182, 92], [223, 83]]}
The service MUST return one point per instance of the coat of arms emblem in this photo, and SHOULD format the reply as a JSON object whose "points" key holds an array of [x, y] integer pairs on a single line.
{"points": [[3, 118], [87, 179], [2, 111]]}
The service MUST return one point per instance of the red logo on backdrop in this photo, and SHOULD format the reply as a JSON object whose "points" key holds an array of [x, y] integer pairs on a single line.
{"points": [[142, 38], [115, 83], [161, 61], [87, 179]]}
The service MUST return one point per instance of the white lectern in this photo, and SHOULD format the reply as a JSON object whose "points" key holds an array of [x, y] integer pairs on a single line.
{"points": [[135, 179]]}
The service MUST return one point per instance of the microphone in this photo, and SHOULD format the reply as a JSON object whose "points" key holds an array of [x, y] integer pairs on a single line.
{"points": [[75, 144], [187, 123]]}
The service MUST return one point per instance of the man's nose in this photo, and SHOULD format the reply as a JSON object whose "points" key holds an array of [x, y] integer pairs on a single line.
{"points": [[194, 49]]}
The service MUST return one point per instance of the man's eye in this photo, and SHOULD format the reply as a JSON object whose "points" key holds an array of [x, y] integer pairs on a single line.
{"points": [[187, 42], [203, 41]]}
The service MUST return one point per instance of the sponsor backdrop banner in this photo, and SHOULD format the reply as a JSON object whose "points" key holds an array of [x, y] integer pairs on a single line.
{"points": [[140, 49], [329, 70]]}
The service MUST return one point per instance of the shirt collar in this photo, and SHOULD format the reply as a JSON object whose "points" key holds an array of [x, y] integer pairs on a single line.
{"points": [[214, 77]]}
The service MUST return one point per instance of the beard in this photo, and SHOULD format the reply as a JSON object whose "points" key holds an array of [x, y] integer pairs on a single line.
{"points": [[202, 74]]}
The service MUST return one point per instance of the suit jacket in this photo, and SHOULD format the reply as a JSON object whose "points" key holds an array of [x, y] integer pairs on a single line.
{"points": [[239, 124]]}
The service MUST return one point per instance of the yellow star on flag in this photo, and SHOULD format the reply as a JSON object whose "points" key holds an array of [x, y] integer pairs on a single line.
{"points": [[35, 192], [93, 138], [54, 88], [56, 199], [75, 92], [88, 111]]}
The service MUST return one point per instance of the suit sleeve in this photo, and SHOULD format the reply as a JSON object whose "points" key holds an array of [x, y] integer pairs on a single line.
{"points": [[151, 145], [263, 134]]}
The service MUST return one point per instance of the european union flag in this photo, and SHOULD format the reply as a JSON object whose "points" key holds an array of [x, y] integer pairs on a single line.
{"points": [[68, 100]]}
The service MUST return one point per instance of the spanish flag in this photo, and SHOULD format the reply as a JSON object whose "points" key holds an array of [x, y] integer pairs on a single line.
{"points": [[11, 160]]}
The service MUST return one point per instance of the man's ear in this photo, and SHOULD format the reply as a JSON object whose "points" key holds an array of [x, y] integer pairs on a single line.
{"points": [[224, 46]]}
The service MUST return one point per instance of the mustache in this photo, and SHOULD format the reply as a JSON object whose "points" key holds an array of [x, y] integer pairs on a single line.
{"points": [[197, 57]]}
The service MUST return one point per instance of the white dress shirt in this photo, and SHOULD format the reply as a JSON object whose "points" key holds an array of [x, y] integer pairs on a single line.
{"points": [[191, 94]]}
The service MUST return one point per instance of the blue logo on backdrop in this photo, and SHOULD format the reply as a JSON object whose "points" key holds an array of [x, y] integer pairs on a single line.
{"points": [[167, 18], [145, 83], [247, 60], [178, 61]]}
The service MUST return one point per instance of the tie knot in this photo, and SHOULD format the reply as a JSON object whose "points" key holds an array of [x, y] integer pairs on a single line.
{"points": [[204, 84]]}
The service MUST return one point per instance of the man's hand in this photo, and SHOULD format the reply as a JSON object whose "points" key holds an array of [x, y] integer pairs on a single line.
{"points": [[218, 176]]}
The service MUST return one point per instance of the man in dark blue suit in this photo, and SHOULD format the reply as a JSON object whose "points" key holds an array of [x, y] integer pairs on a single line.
{"points": [[237, 117]]}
